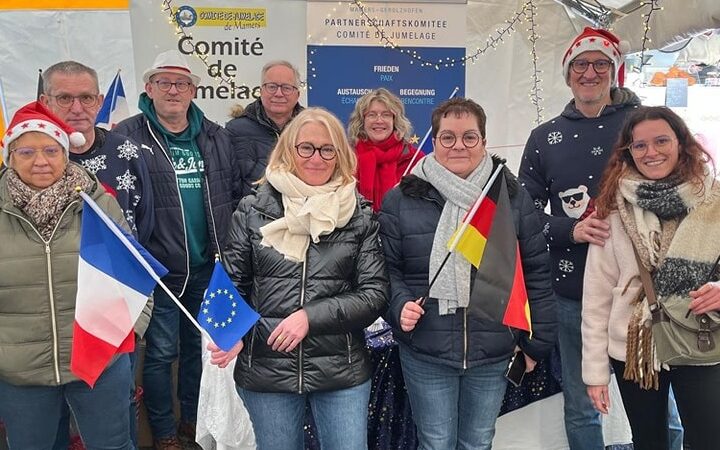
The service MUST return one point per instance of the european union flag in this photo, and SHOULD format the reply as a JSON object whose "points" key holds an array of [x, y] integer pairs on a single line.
{"points": [[224, 313]]}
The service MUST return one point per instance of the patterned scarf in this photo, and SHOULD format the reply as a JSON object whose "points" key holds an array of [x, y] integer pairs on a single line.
{"points": [[452, 287], [310, 212], [44, 207], [377, 167], [664, 220]]}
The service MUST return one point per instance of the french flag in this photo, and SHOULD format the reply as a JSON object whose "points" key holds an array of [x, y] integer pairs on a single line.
{"points": [[115, 278], [115, 106]]}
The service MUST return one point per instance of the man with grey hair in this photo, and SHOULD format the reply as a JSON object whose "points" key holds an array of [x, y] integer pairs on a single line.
{"points": [[71, 91], [255, 131]]}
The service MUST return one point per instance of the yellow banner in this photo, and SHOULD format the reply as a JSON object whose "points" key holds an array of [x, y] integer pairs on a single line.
{"points": [[231, 18], [64, 4]]}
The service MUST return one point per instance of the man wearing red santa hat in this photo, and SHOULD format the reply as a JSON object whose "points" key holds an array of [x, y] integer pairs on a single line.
{"points": [[562, 164]]}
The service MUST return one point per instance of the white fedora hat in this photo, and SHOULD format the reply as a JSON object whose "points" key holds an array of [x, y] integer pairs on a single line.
{"points": [[171, 61]]}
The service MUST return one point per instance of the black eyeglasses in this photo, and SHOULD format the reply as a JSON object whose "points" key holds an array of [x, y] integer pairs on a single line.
{"points": [[469, 139], [307, 150], [286, 89], [600, 66], [180, 86], [66, 101]]}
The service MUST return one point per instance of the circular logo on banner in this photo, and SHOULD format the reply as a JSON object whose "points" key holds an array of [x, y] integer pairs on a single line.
{"points": [[186, 16]]}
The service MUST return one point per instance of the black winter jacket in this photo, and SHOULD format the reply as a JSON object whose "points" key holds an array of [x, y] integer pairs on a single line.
{"points": [[253, 136], [409, 216], [342, 286], [167, 242]]}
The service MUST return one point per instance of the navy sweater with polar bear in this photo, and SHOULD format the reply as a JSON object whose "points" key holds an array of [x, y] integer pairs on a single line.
{"points": [[562, 164]]}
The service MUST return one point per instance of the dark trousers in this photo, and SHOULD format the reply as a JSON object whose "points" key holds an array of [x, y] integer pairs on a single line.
{"points": [[697, 392]]}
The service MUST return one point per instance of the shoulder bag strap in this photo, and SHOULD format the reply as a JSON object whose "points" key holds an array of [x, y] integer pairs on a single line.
{"points": [[646, 281]]}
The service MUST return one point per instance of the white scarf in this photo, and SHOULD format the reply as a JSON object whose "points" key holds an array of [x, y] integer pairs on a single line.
{"points": [[310, 212]]}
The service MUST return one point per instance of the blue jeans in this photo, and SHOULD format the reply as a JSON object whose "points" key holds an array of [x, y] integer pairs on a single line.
{"points": [[340, 417], [453, 408], [168, 326], [582, 421], [32, 414], [675, 428]]}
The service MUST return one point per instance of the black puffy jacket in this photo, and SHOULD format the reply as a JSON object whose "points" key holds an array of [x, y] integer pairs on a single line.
{"points": [[342, 286], [253, 136], [409, 216], [167, 242]]}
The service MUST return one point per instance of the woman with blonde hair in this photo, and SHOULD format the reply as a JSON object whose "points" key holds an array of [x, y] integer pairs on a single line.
{"points": [[379, 131], [304, 251]]}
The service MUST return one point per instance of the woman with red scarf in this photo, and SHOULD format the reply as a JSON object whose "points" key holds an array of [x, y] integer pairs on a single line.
{"points": [[378, 129]]}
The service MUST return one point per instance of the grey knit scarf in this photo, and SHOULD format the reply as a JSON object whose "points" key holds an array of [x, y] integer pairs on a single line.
{"points": [[452, 287]]}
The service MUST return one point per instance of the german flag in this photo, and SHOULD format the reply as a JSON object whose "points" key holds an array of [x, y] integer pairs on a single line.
{"points": [[499, 286]]}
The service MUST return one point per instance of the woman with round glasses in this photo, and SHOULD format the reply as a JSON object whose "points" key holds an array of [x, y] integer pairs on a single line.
{"points": [[40, 222], [304, 251], [379, 131], [453, 357], [662, 201]]}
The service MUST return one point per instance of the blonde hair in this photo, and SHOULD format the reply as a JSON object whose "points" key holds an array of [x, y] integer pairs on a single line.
{"points": [[356, 124], [282, 156]]}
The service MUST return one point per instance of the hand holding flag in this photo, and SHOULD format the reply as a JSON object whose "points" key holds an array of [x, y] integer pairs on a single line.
{"points": [[224, 314]]}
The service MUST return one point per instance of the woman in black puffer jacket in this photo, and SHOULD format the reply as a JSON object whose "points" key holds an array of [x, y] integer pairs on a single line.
{"points": [[304, 251], [453, 353]]}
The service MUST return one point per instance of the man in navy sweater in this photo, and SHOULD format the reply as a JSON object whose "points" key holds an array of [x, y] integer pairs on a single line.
{"points": [[562, 164], [71, 91]]}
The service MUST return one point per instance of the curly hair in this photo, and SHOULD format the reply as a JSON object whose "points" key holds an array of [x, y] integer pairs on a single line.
{"points": [[691, 166], [356, 124]]}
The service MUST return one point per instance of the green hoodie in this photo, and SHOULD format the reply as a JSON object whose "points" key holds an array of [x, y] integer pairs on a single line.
{"points": [[189, 170]]}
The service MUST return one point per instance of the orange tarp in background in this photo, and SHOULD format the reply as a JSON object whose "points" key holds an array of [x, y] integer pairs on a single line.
{"points": [[64, 4]]}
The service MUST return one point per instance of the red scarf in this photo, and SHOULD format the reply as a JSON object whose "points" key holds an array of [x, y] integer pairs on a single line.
{"points": [[380, 166]]}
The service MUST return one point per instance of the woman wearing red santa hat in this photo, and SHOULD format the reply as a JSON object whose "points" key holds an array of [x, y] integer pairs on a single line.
{"points": [[379, 129], [40, 215]]}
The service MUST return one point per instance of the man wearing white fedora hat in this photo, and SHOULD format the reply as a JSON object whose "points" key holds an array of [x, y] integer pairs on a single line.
{"points": [[190, 164]]}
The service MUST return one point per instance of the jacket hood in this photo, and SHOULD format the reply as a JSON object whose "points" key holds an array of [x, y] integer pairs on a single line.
{"points": [[194, 114], [256, 112], [620, 98]]}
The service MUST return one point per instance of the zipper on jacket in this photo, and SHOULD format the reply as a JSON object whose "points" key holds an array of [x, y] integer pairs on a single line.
{"points": [[212, 216], [465, 339], [300, 346], [347, 337], [182, 210], [48, 264], [252, 344]]}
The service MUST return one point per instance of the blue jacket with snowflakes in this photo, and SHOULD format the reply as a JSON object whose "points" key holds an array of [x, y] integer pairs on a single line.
{"points": [[562, 164], [118, 163]]}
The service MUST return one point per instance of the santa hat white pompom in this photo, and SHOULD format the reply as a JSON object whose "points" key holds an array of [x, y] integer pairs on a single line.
{"points": [[36, 117], [77, 139]]}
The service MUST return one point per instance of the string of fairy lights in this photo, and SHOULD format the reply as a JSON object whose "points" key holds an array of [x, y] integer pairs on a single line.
{"points": [[653, 5], [535, 88], [527, 13], [492, 41], [181, 32]]}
